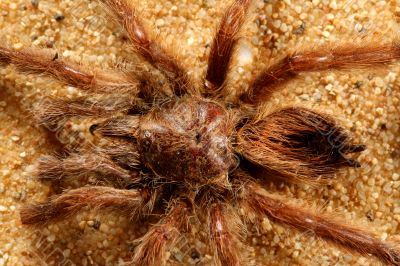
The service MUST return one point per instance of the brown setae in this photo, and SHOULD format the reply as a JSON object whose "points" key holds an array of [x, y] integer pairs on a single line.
{"points": [[180, 150]]}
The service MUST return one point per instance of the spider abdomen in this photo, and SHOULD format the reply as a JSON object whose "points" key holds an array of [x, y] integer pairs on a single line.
{"points": [[187, 139]]}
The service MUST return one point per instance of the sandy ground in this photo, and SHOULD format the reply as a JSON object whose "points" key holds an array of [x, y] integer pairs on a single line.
{"points": [[365, 101]]}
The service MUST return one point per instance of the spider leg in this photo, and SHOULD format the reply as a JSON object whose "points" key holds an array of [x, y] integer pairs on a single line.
{"points": [[75, 166], [256, 199], [155, 243], [345, 57], [53, 113], [223, 45], [223, 226], [40, 62], [124, 152], [127, 202], [148, 48], [297, 144], [121, 126]]}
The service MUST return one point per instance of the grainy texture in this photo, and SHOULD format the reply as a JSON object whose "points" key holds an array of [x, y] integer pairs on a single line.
{"points": [[366, 101]]}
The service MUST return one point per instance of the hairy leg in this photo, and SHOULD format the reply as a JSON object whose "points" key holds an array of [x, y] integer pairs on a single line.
{"points": [[127, 202], [121, 126], [297, 144], [224, 44], [123, 152], [352, 238], [148, 48], [155, 243], [343, 57], [53, 113], [224, 226], [40, 62], [52, 168]]}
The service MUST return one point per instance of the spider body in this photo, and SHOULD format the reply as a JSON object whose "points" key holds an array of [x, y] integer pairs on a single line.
{"points": [[192, 153], [187, 140]]}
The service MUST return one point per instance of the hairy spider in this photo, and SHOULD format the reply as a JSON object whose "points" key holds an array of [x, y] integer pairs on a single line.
{"points": [[178, 149]]}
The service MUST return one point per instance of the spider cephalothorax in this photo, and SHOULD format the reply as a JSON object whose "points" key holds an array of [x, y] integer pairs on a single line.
{"points": [[181, 150], [187, 139]]}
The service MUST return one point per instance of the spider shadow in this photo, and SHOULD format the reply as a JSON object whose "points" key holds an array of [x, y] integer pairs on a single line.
{"points": [[269, 178], [73, 244], [273, 181], [16, 112]]}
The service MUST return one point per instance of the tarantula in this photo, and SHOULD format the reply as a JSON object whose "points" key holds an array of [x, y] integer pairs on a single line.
{"points": [[178, 149]]}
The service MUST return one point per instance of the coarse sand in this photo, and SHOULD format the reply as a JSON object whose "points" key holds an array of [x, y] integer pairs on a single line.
{"points": [[365, 101]]}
